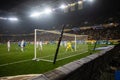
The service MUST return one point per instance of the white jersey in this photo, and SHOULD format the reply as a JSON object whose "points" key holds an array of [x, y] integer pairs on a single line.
{"points": [[65, 43], [22, 43], [40, 43], [8, 43]]}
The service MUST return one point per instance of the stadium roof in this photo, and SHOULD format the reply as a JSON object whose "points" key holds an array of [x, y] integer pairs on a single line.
{"points": [[24, 6]]}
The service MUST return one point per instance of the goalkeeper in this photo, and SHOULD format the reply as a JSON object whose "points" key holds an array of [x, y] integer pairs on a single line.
{"points": [[69, 46]]}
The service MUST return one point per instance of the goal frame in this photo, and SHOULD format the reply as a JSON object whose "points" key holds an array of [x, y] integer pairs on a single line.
{"points": [[54, 32]]}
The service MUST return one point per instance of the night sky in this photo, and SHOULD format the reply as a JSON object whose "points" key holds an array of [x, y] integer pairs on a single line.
{"points": [[93, 13]]}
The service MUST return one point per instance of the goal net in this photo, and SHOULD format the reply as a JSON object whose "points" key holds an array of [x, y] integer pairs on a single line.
{"points": [[46, 42]]}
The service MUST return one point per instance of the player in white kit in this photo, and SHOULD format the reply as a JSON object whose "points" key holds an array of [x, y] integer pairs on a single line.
{"points": [[40, 43], [8, 45], [22, 45]]}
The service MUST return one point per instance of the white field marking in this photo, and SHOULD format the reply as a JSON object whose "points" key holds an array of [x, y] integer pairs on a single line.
{"points": [[70, 56], [40, 59], [46, 56], [64, 53], [46, 60], [15, 62], [59, 53], [24, 61], [62, 58], [51, 55]]}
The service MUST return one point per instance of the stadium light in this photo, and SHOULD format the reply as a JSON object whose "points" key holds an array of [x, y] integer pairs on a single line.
{"points": [[3, 18], [47, 11], [35, 14], [79, 2], [13, 19], [63, 6], [90, 0]]}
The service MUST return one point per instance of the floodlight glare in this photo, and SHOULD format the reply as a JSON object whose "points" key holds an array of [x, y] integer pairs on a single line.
{"points": [[48, 11], [35, 14], [63, 6], [3, 18], [53, 9], [90, 0], [13, 19], [84, 0], [79, 2]]}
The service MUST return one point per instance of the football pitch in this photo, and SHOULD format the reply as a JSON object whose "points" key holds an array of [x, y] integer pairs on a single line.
{"points": [[16, 62]]}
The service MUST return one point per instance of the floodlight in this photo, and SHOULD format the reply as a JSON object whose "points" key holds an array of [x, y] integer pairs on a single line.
{"points": [[90, 0], [63, 6], [13, 19], [79, 2], [3, 18], [47, 11], [35, 14], [53, 9]]}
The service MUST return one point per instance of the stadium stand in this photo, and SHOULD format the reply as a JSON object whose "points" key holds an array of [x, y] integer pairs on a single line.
{"points": [[110, 32]]}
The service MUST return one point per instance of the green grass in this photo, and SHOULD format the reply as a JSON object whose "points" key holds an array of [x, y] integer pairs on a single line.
{"points": [[30, 66]]}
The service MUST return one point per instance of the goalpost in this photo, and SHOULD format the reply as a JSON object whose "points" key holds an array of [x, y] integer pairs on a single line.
{"points": [[51, 42], [35, 56], [35, 41]]}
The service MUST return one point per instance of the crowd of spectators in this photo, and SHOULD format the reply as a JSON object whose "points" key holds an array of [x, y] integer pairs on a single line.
{"points": [[111, 33]]}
